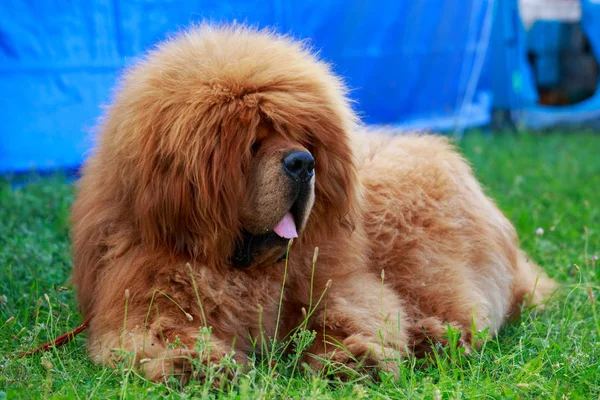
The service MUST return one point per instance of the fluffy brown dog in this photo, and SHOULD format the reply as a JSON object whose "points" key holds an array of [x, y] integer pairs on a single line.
{"points": [[222, 145]]}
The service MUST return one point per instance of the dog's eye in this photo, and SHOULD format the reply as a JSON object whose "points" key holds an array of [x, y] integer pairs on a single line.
{"points": [[255, 146]]}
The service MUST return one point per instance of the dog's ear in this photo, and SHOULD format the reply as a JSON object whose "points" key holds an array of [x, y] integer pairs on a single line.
{"points": [[337, 187], [165, 209], [189, 191]]}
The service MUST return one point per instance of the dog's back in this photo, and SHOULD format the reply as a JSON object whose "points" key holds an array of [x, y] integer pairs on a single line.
{"points": [[445, 247]]}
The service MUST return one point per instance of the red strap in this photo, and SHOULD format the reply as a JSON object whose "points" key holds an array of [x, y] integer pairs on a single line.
{"points": [[59, 341]]}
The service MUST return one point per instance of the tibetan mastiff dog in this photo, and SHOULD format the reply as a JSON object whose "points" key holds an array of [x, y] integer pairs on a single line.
{"points": [[221, 146]]}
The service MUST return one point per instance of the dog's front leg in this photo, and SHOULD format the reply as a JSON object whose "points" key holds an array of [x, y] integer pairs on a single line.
{"points": [[360, 325], [160, 327], [166, 347]]}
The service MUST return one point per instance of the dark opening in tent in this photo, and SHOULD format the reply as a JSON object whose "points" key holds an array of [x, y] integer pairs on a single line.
{"points": [[565, 69]]}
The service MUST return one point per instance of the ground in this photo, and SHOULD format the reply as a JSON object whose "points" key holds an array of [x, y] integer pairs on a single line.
{"points": [[548, 185]]}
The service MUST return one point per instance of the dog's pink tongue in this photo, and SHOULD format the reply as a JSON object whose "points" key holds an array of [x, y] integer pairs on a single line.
{"points": [[286, 228]]}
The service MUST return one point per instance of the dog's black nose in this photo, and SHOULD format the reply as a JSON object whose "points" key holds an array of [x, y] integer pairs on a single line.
{"points": [[300, 165]]}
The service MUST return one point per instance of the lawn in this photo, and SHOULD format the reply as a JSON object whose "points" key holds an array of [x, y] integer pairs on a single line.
{"points": [[549, 181]]}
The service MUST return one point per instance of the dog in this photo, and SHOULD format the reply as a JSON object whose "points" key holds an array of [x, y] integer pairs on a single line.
{"points": [[227, 157]]}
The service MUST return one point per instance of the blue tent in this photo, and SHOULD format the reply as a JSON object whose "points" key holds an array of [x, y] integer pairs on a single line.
{"points": [[508, 74], [587, 111], [409, 63]]}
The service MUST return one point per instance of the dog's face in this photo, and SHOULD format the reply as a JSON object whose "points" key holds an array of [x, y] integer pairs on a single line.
{"points": [[224, 146], [280, 193]]}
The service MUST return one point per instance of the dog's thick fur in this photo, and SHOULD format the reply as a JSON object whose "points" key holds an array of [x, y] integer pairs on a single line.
{"points": [[188, 162]]}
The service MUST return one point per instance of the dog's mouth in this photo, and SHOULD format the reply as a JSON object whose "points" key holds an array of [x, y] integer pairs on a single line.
{"points": [[287, 227], [270, 247]]}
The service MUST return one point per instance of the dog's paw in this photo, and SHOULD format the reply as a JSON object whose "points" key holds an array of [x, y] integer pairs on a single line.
{"points": [[357, 355], [212, 365], [429, 333], [185, 366], [162, 369]]}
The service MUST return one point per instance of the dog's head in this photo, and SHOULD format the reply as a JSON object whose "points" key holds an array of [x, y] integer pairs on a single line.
{"points": [[229, 142]]}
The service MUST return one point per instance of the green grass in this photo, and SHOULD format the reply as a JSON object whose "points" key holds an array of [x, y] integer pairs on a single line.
{"points": [[550, 182]]}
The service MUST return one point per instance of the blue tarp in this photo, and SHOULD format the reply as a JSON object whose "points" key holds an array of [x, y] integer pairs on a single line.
{"points": [[408, 63]]}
